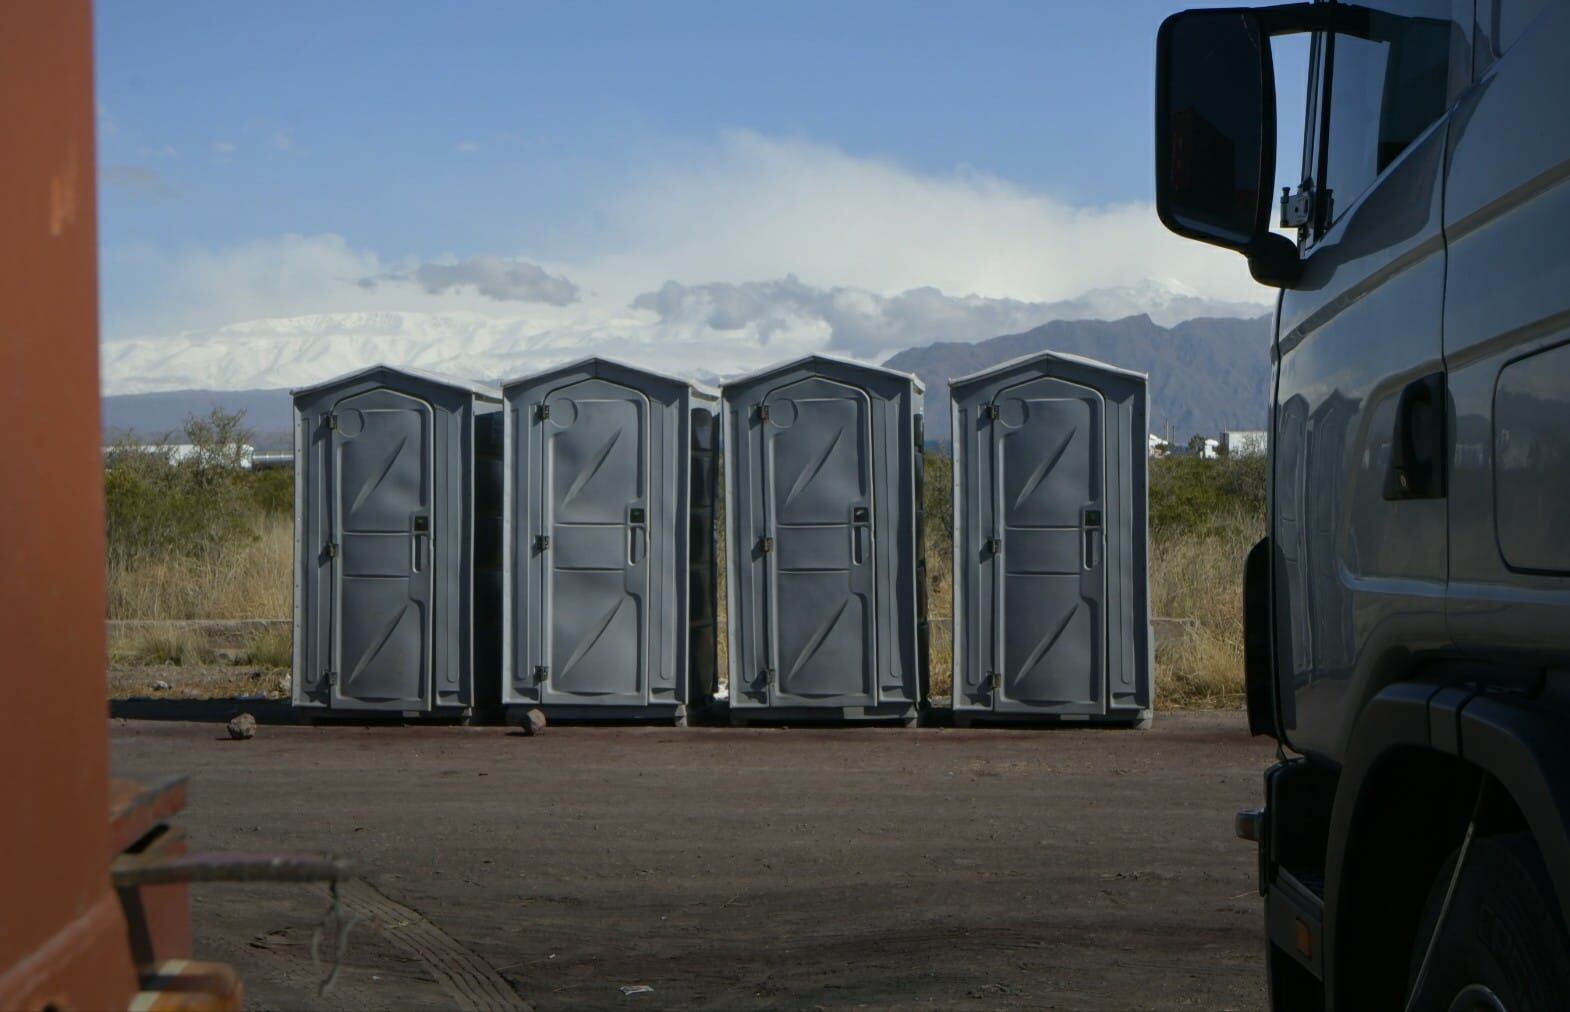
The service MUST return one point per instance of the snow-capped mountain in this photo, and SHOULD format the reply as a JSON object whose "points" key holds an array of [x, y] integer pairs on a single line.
{"points": [[707, 331]]}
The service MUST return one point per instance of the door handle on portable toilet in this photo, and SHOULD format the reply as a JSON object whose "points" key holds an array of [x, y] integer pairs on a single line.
{"points": [[1090, 519], [861, 534], [637, 535], [420, 538]]}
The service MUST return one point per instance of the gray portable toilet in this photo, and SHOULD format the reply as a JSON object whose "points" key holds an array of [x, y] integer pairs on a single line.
{"points": [[826, 588], [1051, 568], [610, 567], [397, 529]]}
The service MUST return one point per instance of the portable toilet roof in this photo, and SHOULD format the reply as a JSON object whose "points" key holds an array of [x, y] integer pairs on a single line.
{"points": [[1034, 358], [608, 365], [815, 358], [382, 371]]}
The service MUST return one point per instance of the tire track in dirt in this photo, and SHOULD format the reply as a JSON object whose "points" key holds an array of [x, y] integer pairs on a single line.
{"points": [[471, 981]]}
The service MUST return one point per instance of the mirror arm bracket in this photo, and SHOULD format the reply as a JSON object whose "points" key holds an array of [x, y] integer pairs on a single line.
{"points": [[1274, 260]]}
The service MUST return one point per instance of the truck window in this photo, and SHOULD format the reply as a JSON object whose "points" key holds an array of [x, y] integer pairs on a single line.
{"points": [[1385, 90]]}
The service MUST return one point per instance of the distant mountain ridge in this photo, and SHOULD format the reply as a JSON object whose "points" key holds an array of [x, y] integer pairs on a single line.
{"points": [[1206, 374], [269, 414]]}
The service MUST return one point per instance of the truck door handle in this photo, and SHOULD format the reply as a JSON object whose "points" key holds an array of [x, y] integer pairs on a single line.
{"points": [[1418, 443]]}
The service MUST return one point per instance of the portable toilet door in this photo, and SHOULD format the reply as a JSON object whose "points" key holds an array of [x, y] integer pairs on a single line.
{"points": [[385, 567], [1051, 593], [823, 470], [602, 537]]}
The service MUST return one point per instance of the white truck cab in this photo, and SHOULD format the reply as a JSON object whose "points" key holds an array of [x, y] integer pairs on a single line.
{"points": [[1408, 614]]}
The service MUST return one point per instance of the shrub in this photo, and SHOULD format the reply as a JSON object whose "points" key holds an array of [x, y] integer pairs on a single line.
{"points": [[272, 647], [160, 504], [196, 535], [175, 645], [271, 491], [1193, 494]]}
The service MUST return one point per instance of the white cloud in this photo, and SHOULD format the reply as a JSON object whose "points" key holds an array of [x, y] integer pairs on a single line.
{"points": [[710, 261], [755, 207], [493, 277], [224, 147], [469, 147]]}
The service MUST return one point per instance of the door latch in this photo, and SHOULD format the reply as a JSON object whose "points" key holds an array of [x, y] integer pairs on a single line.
{"points": [[330, 677], [542, 542], [542, 411], [994, 546], [765, 545], [1297, 208], [991, 411], [332, 420], [763, 412], [995, 683], [767, 674], [541, 673], [331, 550]]}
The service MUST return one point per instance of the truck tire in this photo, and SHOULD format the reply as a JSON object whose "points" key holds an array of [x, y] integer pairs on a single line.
{"points": [[1503, 944]]}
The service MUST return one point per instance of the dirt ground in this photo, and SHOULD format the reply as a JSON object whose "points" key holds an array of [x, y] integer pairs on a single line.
{"points": [[802, 868]]}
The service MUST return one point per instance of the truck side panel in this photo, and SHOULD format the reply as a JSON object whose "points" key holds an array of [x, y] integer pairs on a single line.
{"points": [[1507, 345]]}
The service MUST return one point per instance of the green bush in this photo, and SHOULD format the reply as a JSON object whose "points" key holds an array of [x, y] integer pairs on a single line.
{"points": [[272, 491], [159, 504], [1194, 495]]}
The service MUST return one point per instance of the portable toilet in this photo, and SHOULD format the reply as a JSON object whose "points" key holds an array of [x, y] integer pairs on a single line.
{"points": [[397, 530], [826, 587], [610, 567], [1051, 564]]}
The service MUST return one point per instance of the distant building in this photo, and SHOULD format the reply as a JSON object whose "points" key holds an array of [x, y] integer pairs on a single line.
{"points": [[178, 452], [1159, 447], [1209, 449], [1243, 443]]}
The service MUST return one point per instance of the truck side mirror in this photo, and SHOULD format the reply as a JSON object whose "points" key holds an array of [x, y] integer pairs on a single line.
{"points": [[1216, 137]]}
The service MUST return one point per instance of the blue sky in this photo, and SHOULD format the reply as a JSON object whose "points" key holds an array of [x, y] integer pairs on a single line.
{"points": [[383, 136]]}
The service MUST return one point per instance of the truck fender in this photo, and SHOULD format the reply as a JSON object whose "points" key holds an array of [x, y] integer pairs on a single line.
{"points": [[1524, 747]]}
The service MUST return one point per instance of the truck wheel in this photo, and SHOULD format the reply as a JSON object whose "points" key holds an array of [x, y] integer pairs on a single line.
{"points": [[1503, 944]]}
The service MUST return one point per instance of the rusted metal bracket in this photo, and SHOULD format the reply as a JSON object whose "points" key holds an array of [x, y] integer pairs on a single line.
{"points": [[155, 866]]}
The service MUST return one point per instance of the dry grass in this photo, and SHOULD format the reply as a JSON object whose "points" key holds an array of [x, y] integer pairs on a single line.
{"points": [[180, 646], [271, 648], [1198, 575], [253, 578], [200, 681], [940, 612]]}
